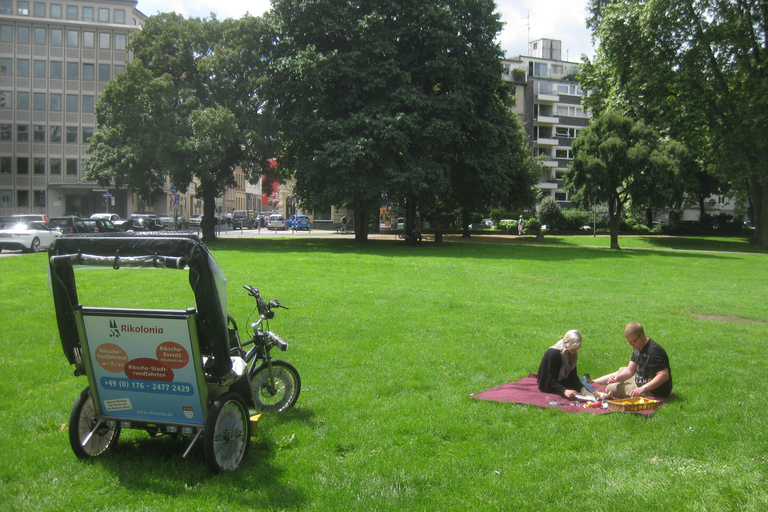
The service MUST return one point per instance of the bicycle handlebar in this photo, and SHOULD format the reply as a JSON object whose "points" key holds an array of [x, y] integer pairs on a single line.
{"points": [[268, 306]]}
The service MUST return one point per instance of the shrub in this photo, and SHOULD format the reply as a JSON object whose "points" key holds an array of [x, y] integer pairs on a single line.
{"points": [[550, 213], [532, 225], [573, 220]]}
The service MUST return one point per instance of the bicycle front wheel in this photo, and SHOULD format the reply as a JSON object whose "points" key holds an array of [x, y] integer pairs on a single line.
{"points": [[279, 394], [82, 421]]}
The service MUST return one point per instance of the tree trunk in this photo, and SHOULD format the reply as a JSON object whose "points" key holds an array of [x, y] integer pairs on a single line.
{"points": [[614, 217], [759, 193], [362, 219], [465, 223], [410, 215], [208, 223]]}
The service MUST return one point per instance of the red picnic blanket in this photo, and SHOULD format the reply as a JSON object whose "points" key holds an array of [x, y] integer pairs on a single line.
{"points": [[526, 391]]}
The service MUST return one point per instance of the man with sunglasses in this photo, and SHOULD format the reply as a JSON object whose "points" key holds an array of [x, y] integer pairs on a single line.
{"points": [[649, 365]]}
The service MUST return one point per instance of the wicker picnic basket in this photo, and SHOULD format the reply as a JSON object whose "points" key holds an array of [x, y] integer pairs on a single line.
{"points": [[633, 404]]}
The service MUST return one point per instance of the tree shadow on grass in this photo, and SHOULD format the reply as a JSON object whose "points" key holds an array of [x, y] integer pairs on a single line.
{"points": [[273, 248]]}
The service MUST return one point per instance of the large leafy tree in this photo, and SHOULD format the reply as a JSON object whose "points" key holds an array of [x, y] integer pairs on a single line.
{"points": [[614, 160], [390, 97], [186, 107], [697, 70]]}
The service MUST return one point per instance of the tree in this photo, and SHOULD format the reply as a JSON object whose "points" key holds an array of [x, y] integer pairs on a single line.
{"points": [[186, 107], [614, 158], [390, 98], [697, 70]]}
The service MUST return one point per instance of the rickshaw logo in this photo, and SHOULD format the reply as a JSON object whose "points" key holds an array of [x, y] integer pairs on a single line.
{"points": [[189, 412], [114, 332]]}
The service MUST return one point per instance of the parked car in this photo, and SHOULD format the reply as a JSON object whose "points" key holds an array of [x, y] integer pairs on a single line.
{"points": [[32, 217], [484, 224], [168, 222], [131, 225], [195, 220], [100, 226], [276, 221], [68, 224], [8, 221], [242, 220], [27, 236], [148, 221], [297, 222], [109, 216]]}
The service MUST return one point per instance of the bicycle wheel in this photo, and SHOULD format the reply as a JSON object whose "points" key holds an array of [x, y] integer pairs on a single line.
{"points": [[287, 386], [82, 420], [226, 433]]}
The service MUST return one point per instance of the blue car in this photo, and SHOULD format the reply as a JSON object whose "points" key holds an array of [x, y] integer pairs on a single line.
{"points": [[297, 222]]}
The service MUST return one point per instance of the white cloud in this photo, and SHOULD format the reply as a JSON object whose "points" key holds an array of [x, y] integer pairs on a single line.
{"points": [[564, 20]]}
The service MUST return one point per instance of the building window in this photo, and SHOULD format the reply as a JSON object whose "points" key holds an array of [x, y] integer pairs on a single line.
{"points": [[119, 68], [22, 67], [104, 72], [72, 103], [41, 36], [71, 12], [38, 134], [105, 42], [103, 15], [5, 97], [120, 41], [564, 154], [87, 103], [71, 167], [6, 7], [55, 66], [22, 133], [73, 38], [39, 69], [40, 9], [71, 135], [87, 13], [119, 16], [22, 198], [89, 39], [56, 11], [39, 101], [22, 35], [56, 101], [6, 67], [55, 165], [22, 165], [6, 33], [6, 132], [39, 198], [561, 196], [87, 134], [72, 68], [22, 8], [88, 70], [5, 167], [55, 134], [38, 165], [57, 36], [22, 100]]}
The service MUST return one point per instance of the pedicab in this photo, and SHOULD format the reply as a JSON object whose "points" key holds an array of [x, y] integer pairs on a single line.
{"points": [[176, 372]]}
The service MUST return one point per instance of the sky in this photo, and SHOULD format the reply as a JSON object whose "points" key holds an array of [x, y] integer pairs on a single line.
{"points": [[524, 20]]}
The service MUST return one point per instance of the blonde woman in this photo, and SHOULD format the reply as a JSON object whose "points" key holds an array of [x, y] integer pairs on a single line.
{"points": [[557, 371]]}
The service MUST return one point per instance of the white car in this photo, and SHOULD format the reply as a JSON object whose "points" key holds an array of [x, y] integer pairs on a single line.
{"points": [[29, 237], [276, 221], [112, 217]]}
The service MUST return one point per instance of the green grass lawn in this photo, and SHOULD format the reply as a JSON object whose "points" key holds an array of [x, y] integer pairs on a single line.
{"points": [[390, 342]]}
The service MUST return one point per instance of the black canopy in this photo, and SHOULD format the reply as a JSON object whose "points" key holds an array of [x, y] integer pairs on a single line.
{"points": [[159, 250]]}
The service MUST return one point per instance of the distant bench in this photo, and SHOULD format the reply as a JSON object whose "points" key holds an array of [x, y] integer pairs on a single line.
{"points": [[426, 236]]}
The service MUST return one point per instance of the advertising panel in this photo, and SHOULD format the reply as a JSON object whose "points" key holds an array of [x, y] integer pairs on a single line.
{"points": [[143, 367]]}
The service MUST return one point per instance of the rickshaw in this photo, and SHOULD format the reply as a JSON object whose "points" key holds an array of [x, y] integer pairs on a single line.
{"points": [[176, 372]]}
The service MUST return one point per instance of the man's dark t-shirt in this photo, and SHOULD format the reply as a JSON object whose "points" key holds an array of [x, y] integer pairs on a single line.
{"points": [[651, 360]]}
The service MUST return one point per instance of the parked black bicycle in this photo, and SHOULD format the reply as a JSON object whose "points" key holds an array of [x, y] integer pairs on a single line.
{"points": [[275, 384]]}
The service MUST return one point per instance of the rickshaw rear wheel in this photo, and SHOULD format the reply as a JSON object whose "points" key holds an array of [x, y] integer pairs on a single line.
{"points": [[227, 433], [82, 421], [287, 386]]}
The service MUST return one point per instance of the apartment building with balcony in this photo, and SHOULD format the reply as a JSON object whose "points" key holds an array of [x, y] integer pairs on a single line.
{"points": [[55, 58], [548, 102]]}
